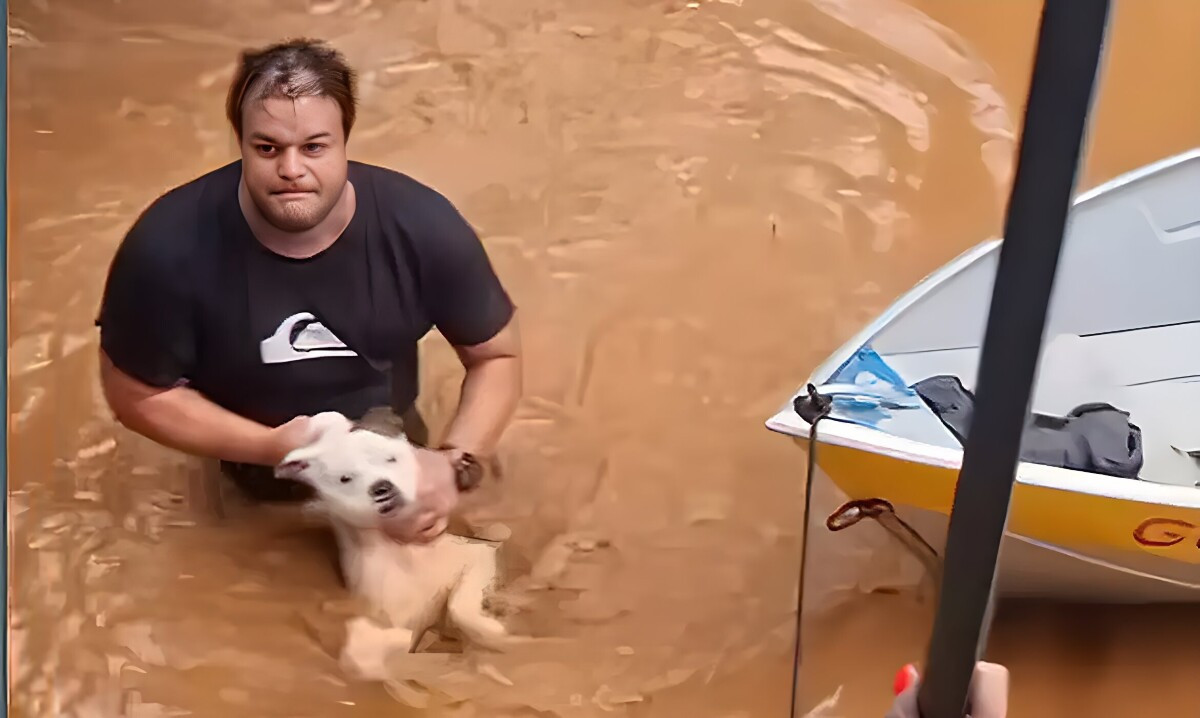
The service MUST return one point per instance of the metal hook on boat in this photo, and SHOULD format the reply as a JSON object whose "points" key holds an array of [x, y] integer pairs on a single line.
{"points": [[882, 511]]}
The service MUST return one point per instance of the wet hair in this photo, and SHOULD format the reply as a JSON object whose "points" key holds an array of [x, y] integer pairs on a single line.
{"points": [[291, 69]]}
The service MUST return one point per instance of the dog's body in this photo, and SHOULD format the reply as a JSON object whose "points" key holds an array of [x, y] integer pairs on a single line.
{"points": [[358, 475]]}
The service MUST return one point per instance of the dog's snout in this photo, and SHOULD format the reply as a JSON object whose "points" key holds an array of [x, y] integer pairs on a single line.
{"points": [[382, 489], [386, 496]]}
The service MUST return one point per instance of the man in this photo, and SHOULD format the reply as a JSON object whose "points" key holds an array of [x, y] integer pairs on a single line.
{"points": [[294, 281]]}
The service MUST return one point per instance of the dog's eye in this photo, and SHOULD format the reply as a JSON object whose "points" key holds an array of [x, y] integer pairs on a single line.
{"points": [[347, 479]]}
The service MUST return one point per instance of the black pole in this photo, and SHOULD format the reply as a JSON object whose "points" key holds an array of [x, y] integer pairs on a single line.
{"points": [[1070, 44], [4, 136]]}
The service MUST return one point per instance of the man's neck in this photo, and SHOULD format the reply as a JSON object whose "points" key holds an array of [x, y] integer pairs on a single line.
{"points": [[299, 245]]}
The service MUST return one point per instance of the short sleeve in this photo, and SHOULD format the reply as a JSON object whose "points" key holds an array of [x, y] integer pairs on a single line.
{"points": [[466, 300], [146, 318]]}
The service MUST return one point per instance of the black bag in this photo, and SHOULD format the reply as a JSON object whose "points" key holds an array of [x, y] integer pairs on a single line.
{"points": [[1094, 437]]}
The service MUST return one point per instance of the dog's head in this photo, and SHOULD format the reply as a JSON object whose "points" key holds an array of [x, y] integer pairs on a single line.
{"points": [[358, 474]]}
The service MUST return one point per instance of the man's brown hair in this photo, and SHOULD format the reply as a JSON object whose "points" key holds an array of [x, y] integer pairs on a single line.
{"points": [[292, 69]]}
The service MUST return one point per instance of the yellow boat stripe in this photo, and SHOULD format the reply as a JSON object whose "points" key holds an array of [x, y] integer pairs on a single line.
{"points": [[1073, 520]]}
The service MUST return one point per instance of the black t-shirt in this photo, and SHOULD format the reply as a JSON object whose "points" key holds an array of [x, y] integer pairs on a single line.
{"points": [[193, 297]]}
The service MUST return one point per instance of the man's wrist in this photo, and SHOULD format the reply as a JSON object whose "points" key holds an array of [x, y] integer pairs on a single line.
{"points": [[272, 445], [267, 447], [466, 468]]}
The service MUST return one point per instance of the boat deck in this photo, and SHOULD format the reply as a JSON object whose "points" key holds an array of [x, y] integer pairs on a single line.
{"points": [[1150, 373]]}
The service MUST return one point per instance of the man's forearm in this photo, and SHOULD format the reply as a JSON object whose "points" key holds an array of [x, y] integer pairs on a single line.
{"points": [[183, 419], [186, 421], [490, 392]]}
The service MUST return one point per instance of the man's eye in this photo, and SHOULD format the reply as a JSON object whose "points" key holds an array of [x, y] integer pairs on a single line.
{"points": [[265, 149], [314, 147], [346, 479]]}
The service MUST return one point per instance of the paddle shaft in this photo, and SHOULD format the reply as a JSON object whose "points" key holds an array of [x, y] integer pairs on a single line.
{"points": [[4, 307], [1067, 61]]}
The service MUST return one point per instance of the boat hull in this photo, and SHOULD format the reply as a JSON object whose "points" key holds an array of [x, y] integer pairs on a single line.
{"points": [[1123, 329], [1059, 545]]}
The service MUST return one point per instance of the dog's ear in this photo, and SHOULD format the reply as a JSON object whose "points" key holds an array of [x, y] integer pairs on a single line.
{"points": [[327, 423], [290, 467], [320, 426]]}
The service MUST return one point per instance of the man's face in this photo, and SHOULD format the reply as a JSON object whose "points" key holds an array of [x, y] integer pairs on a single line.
{"points": [[293, 159]]}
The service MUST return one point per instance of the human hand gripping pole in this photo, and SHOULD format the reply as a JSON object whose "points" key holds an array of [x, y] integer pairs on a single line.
{"points": [[988, 697]]}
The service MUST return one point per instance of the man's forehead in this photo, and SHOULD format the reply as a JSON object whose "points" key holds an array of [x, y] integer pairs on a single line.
{"points": [[292, 119]]}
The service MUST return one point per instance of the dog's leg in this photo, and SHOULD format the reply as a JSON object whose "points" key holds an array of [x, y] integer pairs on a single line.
{"points": [[368, 646], [465, 605]]}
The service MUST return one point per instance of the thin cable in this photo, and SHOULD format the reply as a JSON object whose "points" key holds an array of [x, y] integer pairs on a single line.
{"points": [[812, 408]]}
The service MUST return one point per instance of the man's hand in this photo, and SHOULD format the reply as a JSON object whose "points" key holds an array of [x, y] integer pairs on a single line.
{"points": [[988, 696], [285, 438], [437, 496]]}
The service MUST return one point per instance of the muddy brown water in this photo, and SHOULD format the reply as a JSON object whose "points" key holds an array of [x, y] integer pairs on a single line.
{"points": [[693, 203]]}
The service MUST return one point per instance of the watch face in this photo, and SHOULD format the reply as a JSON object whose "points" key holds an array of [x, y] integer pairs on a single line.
{"points": [[468, 472]]}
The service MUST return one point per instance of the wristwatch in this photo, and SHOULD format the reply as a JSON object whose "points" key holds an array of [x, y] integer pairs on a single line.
{"points": [[468, 472]]}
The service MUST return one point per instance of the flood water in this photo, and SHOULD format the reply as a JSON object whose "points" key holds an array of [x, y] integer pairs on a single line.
{"points": [[692, 202]]}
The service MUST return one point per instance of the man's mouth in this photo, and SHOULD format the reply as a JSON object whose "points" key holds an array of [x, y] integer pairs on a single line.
{"points": [[292, 194]]}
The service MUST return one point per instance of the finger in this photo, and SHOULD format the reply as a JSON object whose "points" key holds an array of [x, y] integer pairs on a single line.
{"points": [[430, 533], [989, 691], [421, 532], [407, 528], [905, 687], [905, 677], [426, 537]]}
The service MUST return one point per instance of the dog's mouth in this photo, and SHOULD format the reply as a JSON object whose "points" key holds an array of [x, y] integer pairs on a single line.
{"points": [[386, 496]]}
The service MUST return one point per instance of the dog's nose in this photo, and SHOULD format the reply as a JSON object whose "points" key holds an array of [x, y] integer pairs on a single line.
{"points": [[382, 489], [386, 496]]}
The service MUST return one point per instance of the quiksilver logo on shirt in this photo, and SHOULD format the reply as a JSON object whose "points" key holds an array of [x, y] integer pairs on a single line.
{"points": [[302, 336]]}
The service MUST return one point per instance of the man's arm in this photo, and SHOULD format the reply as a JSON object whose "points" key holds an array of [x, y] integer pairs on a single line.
{"points": [[148, 348], [183, 419], [471, 308], [490, 391], [489, 396]]}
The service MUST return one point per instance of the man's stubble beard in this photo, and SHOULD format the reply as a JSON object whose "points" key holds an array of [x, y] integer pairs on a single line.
{"points": [[295, 216]]}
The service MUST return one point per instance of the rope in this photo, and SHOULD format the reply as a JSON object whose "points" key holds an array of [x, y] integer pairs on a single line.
{"points": [[813, 408]]}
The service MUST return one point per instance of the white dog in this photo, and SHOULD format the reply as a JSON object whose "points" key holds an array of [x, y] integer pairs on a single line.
{"points": [[360, 475]]}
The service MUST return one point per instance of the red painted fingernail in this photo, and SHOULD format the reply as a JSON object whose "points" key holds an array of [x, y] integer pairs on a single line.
{"points": [[904, 678]]}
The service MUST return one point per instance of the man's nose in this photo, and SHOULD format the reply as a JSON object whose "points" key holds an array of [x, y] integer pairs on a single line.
{"points": [[290, 165]]}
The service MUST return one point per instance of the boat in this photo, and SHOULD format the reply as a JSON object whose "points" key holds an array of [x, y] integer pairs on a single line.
{"points": [[1123, 330]]}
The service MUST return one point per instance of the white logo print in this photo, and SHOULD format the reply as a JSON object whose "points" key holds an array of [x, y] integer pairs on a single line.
{"points": [[301, 336]]}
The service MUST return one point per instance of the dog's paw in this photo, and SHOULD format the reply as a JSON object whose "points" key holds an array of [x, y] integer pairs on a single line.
{"points": [[480, 630], [364, 656]]}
